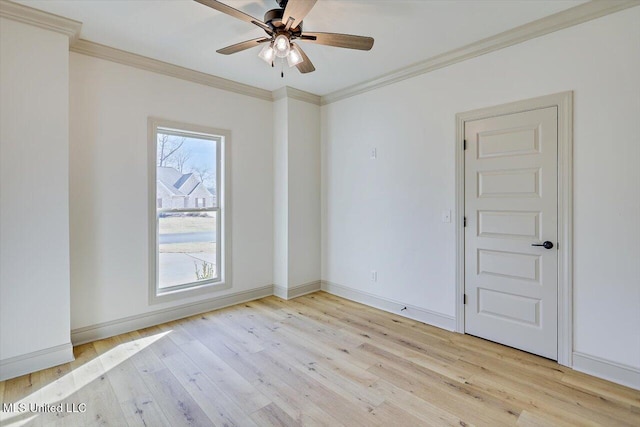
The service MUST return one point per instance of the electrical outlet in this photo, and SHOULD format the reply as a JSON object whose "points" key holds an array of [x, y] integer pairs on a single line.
{"points": [[374, 276], [373, 154]]}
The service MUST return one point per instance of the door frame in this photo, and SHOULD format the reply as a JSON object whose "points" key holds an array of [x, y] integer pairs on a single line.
{"points": [[564, 102]]}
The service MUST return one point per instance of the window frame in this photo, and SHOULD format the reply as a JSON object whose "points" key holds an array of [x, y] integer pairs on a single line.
{"points": [[223, 216]]}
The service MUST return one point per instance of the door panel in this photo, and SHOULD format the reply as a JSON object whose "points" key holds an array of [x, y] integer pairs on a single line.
{"points": [[509, 224], [509, 264], [510, 203], [508, 142], [511, 307], [509, 183]]}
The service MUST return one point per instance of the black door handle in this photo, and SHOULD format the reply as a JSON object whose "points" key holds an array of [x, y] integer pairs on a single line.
{"points": [[546, 245]]}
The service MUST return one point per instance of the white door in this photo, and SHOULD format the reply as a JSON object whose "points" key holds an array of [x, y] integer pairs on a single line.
{"points": [[511, 174]]}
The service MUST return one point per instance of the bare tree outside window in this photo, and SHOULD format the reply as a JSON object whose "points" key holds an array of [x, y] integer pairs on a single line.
{"points": [[168, 145]]}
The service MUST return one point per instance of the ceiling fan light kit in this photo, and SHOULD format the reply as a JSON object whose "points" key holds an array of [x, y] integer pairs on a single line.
{"points": [[281, 46], [294, 57], [283, 26], [267, 54]]}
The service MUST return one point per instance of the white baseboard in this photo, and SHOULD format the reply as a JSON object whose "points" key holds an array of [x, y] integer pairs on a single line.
{"points": [[606, 369], [439, 320], [296, 291], [280, 291], [134, 323], [35, 361], [306, 288]]}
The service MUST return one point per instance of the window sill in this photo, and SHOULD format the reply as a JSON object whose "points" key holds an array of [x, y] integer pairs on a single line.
{"points": [[179, 294]]}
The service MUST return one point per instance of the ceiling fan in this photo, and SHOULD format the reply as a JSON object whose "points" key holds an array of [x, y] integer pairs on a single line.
{"points": [[283, 26]]}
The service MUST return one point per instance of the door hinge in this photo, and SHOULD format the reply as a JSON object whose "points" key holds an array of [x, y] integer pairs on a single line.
{"points": [[464, 144], [464, 298], [464, 221]]}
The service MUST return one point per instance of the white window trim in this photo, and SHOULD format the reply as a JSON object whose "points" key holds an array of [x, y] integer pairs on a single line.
{"points": [[223, 216]]}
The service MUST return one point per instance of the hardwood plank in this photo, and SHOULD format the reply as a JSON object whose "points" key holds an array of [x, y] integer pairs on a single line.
{"points": [[212, 399], [318, 369], [412, 405], [177, 405], [297, 405], [22, 389], [225, 377], [393, 331], [138, 406], [222, 321], [423, 354], [465, 401], [564, 401], [163, 346], [600, 387], [318, 360], [84, 371], [539, 419], [313, 339], [557, 413], [176, 333], [272, 415], [341, 360], [388, 414], [89, 374], [59, 380], [324, 398], [145, 359], [175, 402], [234, 358]]}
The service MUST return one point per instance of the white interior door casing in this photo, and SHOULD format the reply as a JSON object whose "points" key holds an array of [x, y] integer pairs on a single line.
{"points": [[511, 182]]}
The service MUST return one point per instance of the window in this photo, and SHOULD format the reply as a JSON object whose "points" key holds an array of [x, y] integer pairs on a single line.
{"points": [[188, 236]]}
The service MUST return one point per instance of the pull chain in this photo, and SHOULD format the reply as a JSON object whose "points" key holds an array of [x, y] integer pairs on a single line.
{"points": [[282, 68]]}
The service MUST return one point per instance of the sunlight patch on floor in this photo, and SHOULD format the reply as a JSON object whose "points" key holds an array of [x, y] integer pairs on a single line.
{"points": [[70, 383]]}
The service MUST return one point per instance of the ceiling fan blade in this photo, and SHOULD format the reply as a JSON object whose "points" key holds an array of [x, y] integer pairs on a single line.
{"points": [[238, 47], [221, 7], [306, 66], [297, 9], [339, 40]]}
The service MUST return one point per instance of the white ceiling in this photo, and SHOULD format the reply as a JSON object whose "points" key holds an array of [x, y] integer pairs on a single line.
{"points": [[186, 33]]}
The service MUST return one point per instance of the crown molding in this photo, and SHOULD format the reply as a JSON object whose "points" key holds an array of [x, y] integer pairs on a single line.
{"points": [[96, 50], [567, 18], [293, 93], [38, 18]]}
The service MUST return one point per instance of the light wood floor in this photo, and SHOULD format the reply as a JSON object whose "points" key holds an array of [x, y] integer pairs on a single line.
{"points": [[315, 360]]}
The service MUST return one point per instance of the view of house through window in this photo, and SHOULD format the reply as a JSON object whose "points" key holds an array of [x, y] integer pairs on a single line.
{"points": [[187, 209]]}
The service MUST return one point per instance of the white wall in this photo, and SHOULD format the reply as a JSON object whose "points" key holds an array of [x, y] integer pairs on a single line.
{"points": [[109, 107], [34, 195], [281, 193], [385, 214], [296, 193], [304, 192]]}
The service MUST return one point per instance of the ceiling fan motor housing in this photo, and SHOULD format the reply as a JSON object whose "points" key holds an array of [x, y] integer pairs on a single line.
{"points": [[273, 18]]}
